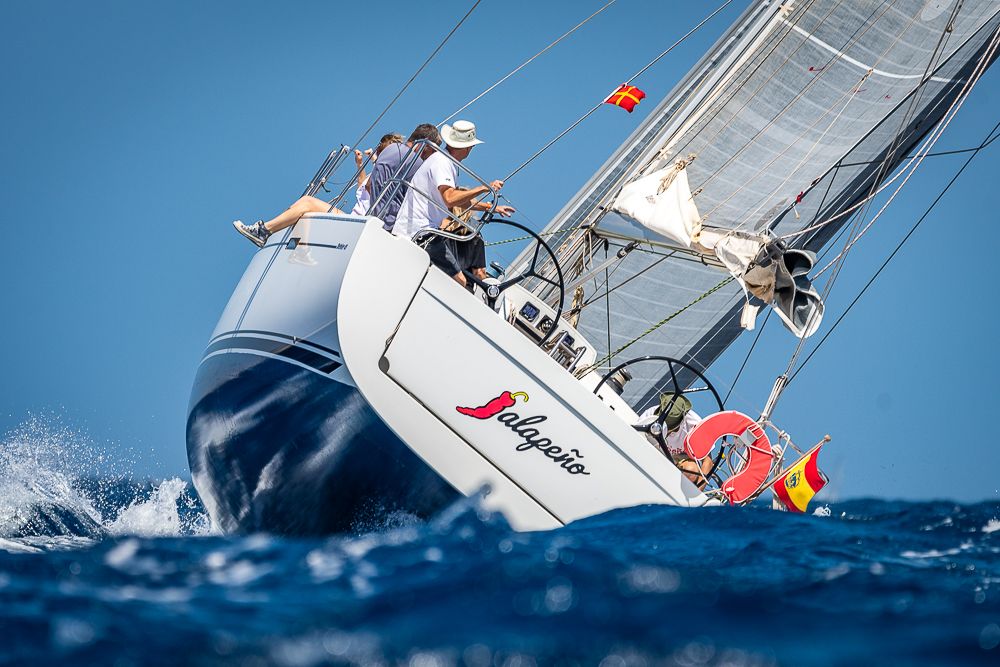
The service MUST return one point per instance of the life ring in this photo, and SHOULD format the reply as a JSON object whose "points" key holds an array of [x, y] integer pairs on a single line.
{"points": [[747, 481]]}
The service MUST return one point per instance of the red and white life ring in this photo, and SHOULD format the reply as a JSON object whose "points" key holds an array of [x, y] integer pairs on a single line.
{"points": [[747, 481]]}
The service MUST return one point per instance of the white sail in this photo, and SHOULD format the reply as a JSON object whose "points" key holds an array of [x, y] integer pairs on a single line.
{"points": [[796, 114]]}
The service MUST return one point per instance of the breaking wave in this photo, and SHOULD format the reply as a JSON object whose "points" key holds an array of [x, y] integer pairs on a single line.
{"points": [[56, 483]]}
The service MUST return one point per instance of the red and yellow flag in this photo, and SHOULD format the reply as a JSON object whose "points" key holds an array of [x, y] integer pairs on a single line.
{"points": [[803, 480], [625, 97]]}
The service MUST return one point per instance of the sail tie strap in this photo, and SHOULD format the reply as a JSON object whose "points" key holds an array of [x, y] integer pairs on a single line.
{"points": [[669, 177]]}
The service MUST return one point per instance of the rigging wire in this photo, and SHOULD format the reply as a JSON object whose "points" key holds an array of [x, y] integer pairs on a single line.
{"points": [[609, 289], [978, 70], [841, 258], [864, 200], [936, 134], [923, 149], [847, 96], [860, 203], [992, 136], [656, 326], [854, 37], [957, 151], [625, 175], [746, 359], [590, 112], [881, 187], [715, 108], [693, 358], [417, 73], [527, 62], [568, 232]]}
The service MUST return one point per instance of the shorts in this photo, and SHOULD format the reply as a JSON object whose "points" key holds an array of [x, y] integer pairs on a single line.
{"points": [[453, 256]]}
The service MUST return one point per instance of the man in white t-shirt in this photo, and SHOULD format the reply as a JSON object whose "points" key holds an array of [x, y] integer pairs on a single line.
{"points": [[434, 188]]}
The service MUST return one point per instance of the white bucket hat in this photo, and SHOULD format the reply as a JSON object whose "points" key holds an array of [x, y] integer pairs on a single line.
{"points": [[460, 135]]}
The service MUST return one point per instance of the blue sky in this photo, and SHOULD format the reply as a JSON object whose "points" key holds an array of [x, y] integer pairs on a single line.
{"points": [[134, 132]]}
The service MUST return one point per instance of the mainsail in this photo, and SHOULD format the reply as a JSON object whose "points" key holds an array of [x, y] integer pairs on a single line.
{"points": [[798, 113]]}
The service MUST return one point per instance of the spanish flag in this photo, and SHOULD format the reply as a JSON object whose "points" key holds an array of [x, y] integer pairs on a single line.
{"points": [[625, 97], [803, 480]]}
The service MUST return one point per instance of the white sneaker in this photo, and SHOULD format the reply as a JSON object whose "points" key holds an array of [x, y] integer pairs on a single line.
{"points": [[256, 232]]}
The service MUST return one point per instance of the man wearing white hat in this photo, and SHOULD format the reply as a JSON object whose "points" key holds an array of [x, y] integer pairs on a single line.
{"points": [[434, 192]]}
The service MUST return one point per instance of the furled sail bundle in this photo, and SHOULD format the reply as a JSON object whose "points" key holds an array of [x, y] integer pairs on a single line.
{"points": [[795, 116]]}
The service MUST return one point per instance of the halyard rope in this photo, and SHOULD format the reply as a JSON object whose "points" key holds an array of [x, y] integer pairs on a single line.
{"points": [[526, 238]]}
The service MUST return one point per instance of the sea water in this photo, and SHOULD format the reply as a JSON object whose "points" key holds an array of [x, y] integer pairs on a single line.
{"points": [[105, 570]]}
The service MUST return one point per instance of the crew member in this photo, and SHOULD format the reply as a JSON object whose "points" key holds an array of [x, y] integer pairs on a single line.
{"points": [[434, 189]]}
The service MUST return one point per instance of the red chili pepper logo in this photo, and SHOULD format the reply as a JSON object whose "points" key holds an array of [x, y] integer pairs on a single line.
{"points": [[493, 407]]}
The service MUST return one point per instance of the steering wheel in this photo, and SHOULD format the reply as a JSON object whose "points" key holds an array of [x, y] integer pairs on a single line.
{"points": [[493, 290], [656, 428]]}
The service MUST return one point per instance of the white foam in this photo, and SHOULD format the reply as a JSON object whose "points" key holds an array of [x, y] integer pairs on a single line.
{"points": [[324, 565], [122, 554], [836, 572], [157, 516], [17, 548], [934, 553], [648, 579], [41, 463], [991, 526], [238, 573]]}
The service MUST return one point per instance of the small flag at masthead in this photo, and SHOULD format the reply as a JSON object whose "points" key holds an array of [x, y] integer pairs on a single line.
{"points": [[625, 97]]}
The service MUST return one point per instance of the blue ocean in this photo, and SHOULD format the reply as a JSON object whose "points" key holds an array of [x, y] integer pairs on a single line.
{"points": [[107, 570]]}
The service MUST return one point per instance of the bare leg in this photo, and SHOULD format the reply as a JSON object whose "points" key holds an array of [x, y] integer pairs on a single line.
{"points": [[297, 210], [691, 470]]}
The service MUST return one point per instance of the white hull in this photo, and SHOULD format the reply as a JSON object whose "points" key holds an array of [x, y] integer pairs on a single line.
{"points": [[418, 346], [315, 355]]}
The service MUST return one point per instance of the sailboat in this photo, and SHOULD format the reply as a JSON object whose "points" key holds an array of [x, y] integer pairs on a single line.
{"points": [[363, 401]]}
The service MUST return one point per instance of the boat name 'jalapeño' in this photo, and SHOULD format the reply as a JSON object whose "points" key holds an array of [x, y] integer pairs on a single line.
{"points": [[523, 428]]}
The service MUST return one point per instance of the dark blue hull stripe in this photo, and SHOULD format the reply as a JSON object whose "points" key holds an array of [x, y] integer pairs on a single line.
{"points": [[261, 332], [278, 348]]}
